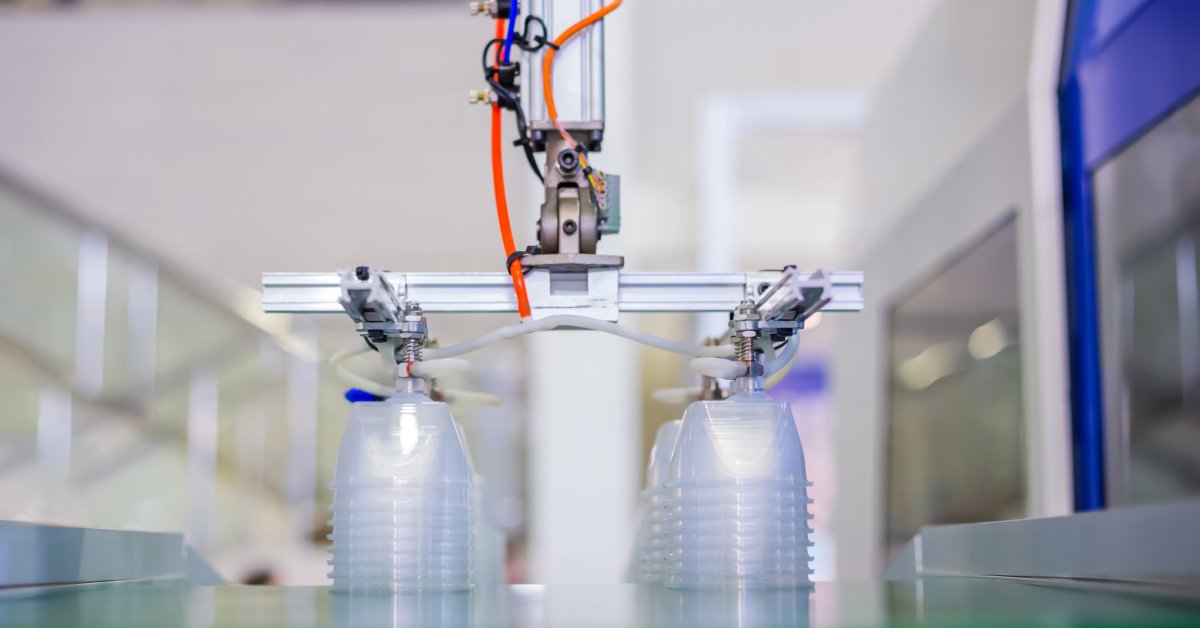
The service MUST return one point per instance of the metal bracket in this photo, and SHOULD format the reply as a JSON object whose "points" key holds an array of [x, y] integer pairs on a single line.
{"points": [[365, 295], [795, 296], [571, 262]]}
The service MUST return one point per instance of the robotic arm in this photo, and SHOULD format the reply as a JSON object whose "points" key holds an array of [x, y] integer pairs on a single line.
{"points": [[563, 281]]}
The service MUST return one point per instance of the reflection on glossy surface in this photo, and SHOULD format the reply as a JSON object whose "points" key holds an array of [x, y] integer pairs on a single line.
{"points": [[943, 601], [402, 611], [1148, 234], [955, 450], [746, 608]]}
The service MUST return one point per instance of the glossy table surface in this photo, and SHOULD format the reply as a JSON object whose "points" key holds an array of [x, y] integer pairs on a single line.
{"points": [[940, 601]]}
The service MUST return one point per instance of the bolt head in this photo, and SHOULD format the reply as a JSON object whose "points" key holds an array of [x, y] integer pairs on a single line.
{"points": [[568, 161]]}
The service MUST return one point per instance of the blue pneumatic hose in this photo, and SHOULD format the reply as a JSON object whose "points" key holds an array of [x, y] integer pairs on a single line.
{"points": [[354, 395], [512, 22]]}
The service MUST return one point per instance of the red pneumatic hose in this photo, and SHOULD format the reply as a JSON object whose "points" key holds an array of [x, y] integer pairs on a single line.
{"points": [[510, 246]]}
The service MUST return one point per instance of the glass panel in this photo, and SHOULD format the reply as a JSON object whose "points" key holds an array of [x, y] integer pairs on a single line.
{"points": [[39, 262], [20, 388], [955, 447], [1153, 380], [107, 445], [1148, 227], [1152, 358], [116, 326], [188, 328]]}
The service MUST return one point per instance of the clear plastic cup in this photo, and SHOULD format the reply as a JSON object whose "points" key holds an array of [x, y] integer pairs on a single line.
{"points": [[433, 498], [410, 514], [398, 527], [736, 502], [403, 500], [431, 549], [383, 542], [660, 454], [747, 437], [653, 533], [408, 440]]}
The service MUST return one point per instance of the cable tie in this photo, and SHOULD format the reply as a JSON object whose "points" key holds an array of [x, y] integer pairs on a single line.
{"points": [[512, 257], [532, 249], [527, 43]]}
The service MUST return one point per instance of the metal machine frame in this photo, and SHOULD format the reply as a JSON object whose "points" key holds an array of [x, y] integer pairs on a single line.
{"points": [[596, 293]]}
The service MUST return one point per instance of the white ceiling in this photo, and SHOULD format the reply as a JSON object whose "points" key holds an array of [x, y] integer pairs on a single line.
{"points": [[689, 49]]}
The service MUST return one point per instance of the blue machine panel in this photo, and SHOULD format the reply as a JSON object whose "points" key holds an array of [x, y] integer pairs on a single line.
{"points": [[1128, 64]]}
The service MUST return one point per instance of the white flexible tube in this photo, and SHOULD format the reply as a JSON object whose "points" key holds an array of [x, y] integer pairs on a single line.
{"points": [[479, 342], [521, 329], [433, 369], [729, 369], [358, 381], [582, 322]]}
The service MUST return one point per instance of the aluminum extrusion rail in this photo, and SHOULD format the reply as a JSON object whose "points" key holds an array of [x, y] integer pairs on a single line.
{"points": [[600, 292]]}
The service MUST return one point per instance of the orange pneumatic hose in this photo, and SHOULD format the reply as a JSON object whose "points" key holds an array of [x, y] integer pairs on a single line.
{"points": [[548, 62], [510, 246]]}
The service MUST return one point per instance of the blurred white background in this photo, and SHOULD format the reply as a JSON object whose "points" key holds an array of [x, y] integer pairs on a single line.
{"points": [[232, 139]]}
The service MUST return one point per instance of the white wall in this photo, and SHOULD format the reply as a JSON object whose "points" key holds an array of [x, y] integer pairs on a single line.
{"points": [[792, 182], [963, 72], [241, 140], [963, 136]]}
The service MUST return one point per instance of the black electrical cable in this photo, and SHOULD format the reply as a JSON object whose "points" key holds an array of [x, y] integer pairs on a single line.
{"points": [[511, 100], [489, 70], [524, 142], [539, 41], [371, 344]]}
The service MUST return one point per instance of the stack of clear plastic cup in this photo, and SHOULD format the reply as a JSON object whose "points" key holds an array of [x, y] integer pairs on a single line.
{"points": [[489, 540], [738, 497], [653, 536], [403, 499]]}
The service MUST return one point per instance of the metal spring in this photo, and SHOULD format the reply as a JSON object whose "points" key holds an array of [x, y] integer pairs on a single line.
{"points": [[744, 346], [410, 350]]}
